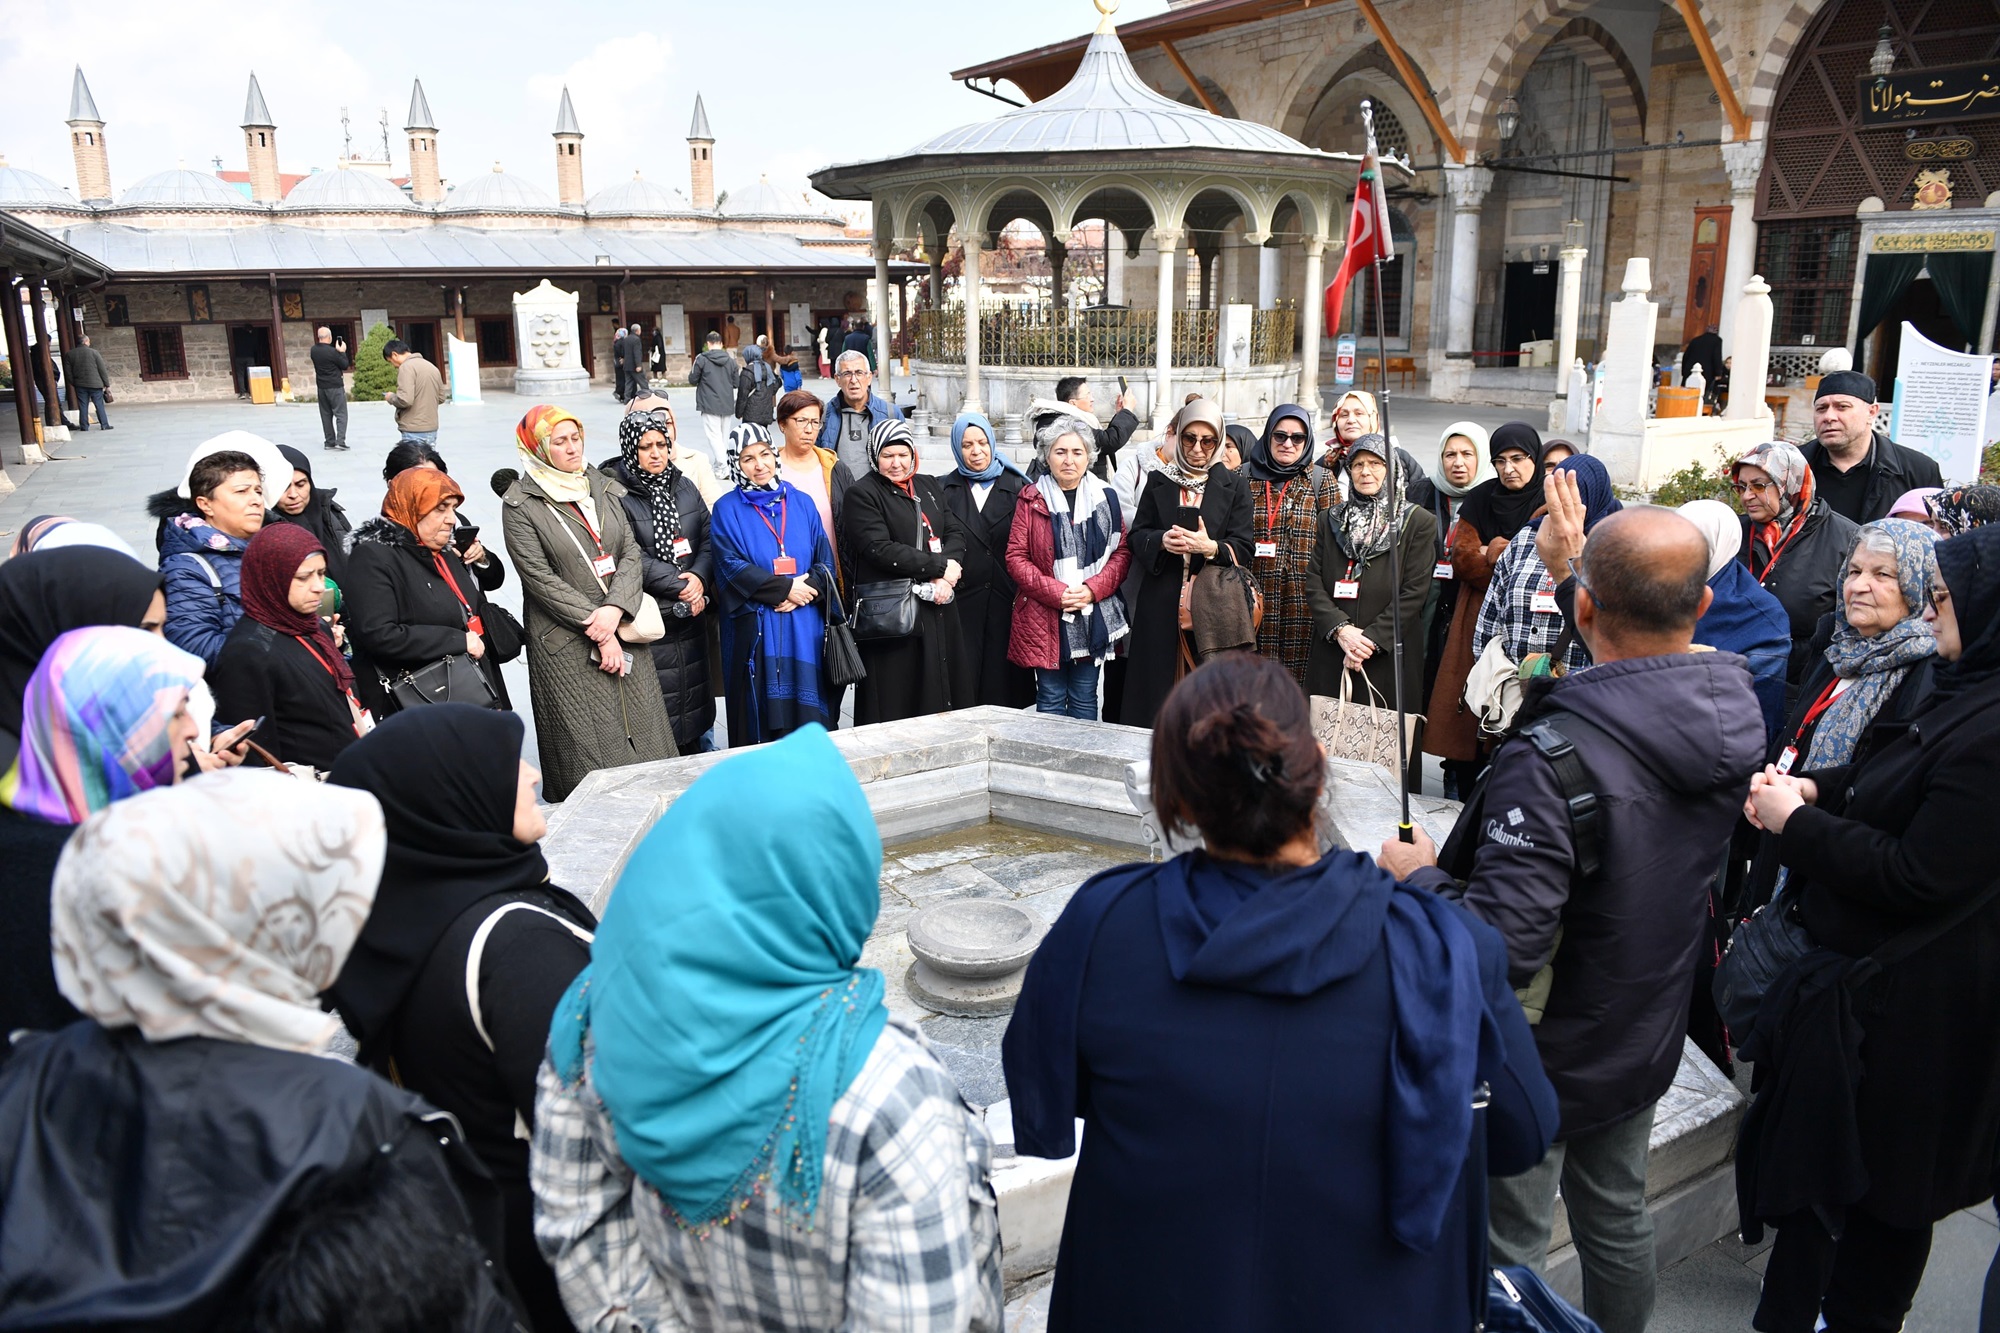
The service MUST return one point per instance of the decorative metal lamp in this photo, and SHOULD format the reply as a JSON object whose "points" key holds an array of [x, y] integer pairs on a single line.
{"points": [[1509, 119], [1884, 57]]}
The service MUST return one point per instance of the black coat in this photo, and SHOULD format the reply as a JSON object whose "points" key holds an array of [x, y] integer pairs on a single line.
{"points": [[171, 1164], [680, 659], [1891, 844], [1893, 469], [1680, 738], [1110, 439], [1155, 608], [29, 848], [1375, 611], [928, 671], [1805, 580], [401, 616], [262, 673], [986, 594]]}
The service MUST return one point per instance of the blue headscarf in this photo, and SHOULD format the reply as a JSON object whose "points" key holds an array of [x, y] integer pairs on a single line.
{"points": [[1877, 666], [722, 996], [996, 464], [1593, 484]]}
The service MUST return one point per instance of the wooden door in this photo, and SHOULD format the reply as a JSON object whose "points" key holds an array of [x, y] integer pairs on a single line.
{"points": [[1706, 264]]}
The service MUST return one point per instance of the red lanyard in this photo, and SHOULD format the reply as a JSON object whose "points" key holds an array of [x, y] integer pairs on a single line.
{"points": [[1820, 705], [1271, 506], [586, 527], [784, 522], [352, 702], [472, 622]]}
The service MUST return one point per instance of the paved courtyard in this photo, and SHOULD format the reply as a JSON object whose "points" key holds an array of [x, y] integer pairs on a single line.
{"points": [[107, 477]]}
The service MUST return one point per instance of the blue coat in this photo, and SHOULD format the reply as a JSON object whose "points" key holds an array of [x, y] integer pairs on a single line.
{"points": [[1747, 620], [1233, 1042], [201, 610], [879, 409]]}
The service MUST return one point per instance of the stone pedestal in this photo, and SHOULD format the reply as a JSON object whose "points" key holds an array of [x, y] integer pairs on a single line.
{"points": [[1750, 363], [1618, 429], [1234, 337], [550, 358], [1744, 161]]}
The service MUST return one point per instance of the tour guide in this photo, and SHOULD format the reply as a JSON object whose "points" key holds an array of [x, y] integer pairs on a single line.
{"points": [[1860, 472]]}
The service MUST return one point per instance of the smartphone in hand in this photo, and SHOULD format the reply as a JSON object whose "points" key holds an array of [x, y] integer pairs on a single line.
{"points": [[1187, 516]]}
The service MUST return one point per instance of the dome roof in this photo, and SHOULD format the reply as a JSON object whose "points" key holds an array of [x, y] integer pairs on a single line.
{"points": [[497, 192], [765, 200], [181, 188], [1107, 107], [21, 188], [346, 189], [636, 198]]}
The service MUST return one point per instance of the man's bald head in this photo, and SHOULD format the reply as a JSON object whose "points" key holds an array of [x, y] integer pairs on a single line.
{"points": [[1646, 571]]}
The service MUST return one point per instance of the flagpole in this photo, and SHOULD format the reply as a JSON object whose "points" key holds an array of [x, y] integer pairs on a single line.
{"points": [[1404, 829]]}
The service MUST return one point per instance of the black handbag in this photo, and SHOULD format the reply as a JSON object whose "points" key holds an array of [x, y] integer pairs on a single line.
{"points": [[1759, 951], [455, 679], [843, 660], [885, 610], [504, 636]]}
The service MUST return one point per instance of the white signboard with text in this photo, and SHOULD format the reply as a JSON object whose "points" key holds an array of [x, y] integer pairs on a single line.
{"points": [[1941, 404], [674, 330]]}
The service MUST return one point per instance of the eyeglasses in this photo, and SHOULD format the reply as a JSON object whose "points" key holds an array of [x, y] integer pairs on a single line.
{"points": [[851, 375], [1197, 441], [1576, 572], [1752, 487], [1288, 437], [811, 423]]}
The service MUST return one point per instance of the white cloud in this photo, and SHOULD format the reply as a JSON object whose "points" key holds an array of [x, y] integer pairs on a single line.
{"points": [[621, 95]]}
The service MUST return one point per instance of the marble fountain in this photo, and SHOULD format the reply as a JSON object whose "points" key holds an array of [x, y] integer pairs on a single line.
{"points": [[994, 817]]}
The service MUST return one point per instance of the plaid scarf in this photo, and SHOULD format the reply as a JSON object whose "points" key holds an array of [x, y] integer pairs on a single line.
{"points": [[1083, 546]]}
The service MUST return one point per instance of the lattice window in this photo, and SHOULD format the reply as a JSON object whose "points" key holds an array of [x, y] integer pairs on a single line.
{"points": [[1391, 139], [1810, 266], [160, 354]]}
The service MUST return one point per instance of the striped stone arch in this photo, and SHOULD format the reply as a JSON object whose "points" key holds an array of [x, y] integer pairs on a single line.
{"points": [[1611, 69], [1542, 22], [1771, 64]]}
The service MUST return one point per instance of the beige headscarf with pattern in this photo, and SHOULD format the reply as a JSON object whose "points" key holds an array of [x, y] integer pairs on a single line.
{"points": [[220, 907]]}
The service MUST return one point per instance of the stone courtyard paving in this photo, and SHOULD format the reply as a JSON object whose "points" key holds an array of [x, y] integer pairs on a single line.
{"points": [[107, 477]]}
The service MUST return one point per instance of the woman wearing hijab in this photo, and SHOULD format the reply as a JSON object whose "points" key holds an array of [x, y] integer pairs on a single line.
{"points": [[1520, 606], [1461, 466], [1067, 553], [405, 454], [774, 581], [1171, 545], [1488, 519], [313, 508], [582, 579], [898, 528], [1902, 905], [465, 911], [1358, 609], [1916, 506], [1354, 415], [410, 600], [45, 593], [981, 494], [51, 532], [106, 716], [281, 666], [1287, 496], [201, 1090], [1959, 509], [669, 522], [1742, 618], [732, 1131], [1795, 545], [1337, 1191], [757, 388]]}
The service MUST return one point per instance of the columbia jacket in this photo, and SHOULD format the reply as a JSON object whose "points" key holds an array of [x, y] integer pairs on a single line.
{"points": [[713, 376], [1680, 738]]}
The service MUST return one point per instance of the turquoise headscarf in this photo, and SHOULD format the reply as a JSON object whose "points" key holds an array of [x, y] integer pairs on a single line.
{"points": [[995, 465], [722, 997]]}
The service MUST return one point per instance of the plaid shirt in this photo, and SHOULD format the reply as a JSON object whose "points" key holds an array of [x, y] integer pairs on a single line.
{"points": [[1508, 611], [905, 1238], [1286, 633]]}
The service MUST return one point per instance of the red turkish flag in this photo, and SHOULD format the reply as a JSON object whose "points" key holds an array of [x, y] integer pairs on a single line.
{"points": [[1367, 235]]}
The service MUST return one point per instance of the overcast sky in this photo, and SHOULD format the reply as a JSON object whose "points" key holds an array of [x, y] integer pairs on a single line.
{"points": [[789, 86]]}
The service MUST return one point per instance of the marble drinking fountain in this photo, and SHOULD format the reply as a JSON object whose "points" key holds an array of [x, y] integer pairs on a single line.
{"points": [[990, 819]]}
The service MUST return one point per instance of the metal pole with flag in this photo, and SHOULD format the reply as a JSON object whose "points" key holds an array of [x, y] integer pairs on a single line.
{"points": [[1370, 244]]}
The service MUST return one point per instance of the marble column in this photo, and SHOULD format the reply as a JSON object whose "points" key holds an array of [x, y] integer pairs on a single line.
{"points": [[1114, 266], [970, 295], [1230, 282], [1267, 276], [1467, 186], [882, 359], [1569, 303], [1745, 163], [1168, 243], [1312, 316]]}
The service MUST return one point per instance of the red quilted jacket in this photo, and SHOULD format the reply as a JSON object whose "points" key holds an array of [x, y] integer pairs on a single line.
{"points": [[1036, 639]]}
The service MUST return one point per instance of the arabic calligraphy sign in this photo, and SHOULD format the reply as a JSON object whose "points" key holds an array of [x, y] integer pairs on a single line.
{"points": [[1943, 93], [1955, 149], [1928, 242]]}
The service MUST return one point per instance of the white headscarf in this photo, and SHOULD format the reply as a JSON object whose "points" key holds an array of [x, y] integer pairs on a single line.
{"points": [[167, 919], [1720, 525], [275, 468], [1476, 433]]}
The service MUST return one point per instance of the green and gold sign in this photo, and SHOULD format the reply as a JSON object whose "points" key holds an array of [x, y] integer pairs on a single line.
{"points": [[1928, 242], [1944, 93]]}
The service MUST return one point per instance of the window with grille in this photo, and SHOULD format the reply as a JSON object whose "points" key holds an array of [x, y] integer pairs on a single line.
{"points": [[1391, 140], [1810, 266], [496, 342], [160, 355]]}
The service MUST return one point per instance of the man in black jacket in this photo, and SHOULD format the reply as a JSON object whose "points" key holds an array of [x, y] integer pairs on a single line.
{"points": [[1860, 472], [1667, 739], [330, 366], [624, 351], [1075, 390]]}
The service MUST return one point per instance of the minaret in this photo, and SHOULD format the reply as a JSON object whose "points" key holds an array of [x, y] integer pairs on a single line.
{"points": [[701, 160], [569, 155], [260, 144], [86, 140], [426, 184]]}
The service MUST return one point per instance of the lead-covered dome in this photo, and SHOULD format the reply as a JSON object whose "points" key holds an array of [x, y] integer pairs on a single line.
{"points": [[346, 190], [765, 200], [637, 197], [498, 192], [21, 188], [181, 188]]}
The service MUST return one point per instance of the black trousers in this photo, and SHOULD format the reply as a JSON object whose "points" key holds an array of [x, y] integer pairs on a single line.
{"points": [[1862, 1283]]}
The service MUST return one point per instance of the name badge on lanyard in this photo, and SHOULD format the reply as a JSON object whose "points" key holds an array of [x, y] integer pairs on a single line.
{"points": [[1443, 570], [937, 546], [604, 566], [1346, 590], [1787, 759], [785, 567], [1267, 551], [1544, 603], [683, 548]]}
